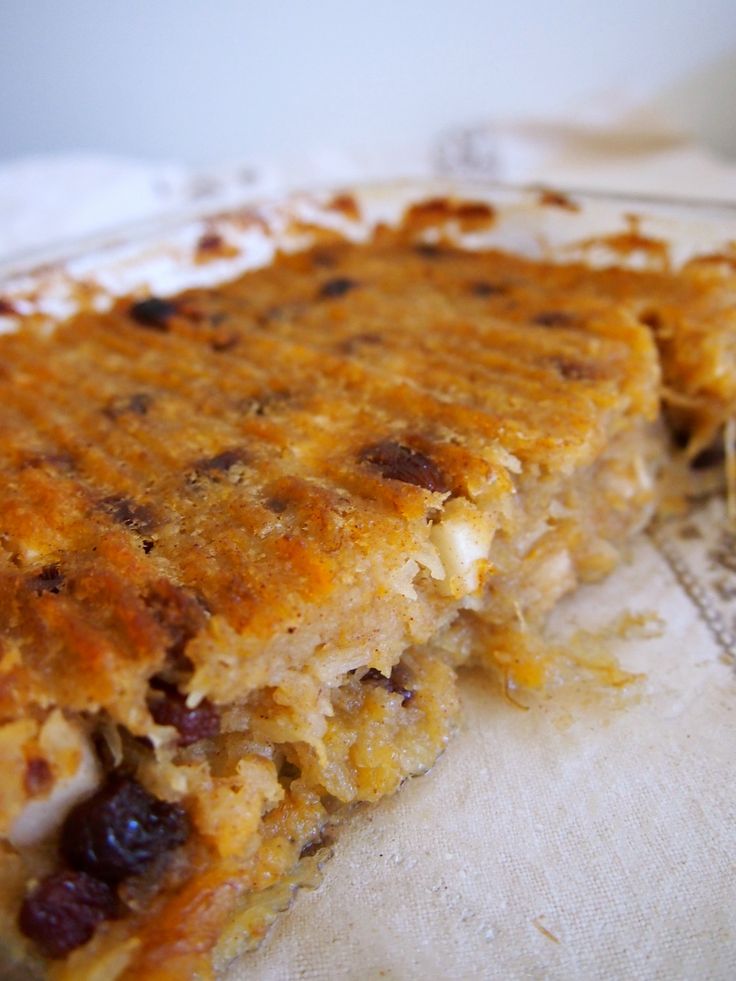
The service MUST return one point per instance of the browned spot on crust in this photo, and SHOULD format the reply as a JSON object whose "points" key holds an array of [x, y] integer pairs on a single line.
{"points": [[475, 215], [346, 205], [470, 215], [632, 242], [211, 245], [549, 198]]}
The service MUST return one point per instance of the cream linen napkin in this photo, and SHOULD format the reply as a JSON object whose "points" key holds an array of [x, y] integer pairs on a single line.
{"points": [[592, 836]]}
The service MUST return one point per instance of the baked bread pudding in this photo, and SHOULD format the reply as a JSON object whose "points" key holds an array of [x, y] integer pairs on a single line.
{"points": [[249, 532]]}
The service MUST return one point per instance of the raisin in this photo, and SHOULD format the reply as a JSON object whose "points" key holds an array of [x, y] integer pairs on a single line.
{"points": [[652, 319], [49, 580], [482, 288], [398, 462], [351, 344], [711, 456], [553, 318], [316, 845], [60, 461], [392, 683], [337, 287], [38, 777], [137, 405], [324, 258], [223, 344], [178, 612], [210, 242], [222, 462], [63, 910], [153, 313], [170, 709], [138, 517], [428, 250], [575, 370], [120, 830]]}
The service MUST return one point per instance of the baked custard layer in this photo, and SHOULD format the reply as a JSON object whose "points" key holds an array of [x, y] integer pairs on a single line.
{"points": [[248, 533]]}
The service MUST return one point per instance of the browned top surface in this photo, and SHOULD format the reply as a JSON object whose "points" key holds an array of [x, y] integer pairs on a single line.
{"points": [[231, 456]]}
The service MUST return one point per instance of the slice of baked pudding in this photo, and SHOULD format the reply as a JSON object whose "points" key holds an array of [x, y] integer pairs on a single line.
{"points": [[247, 534]]}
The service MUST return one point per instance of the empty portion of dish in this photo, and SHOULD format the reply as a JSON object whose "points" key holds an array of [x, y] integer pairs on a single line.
{"points": [[246, 535]]}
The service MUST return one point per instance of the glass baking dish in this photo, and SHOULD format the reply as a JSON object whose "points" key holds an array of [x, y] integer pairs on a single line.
{"points": [[176, 252]]}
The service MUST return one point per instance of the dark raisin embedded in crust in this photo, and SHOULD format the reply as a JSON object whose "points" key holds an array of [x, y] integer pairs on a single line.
{"points": [[398, 462], [337, 287], [137, 404], [553, 318], [223, 344], [652, 319], [222, 462], [210, 242], [430, 250], [316, 845], [482, 288], [711, 456], [120, 830], [37, 778], [138, 517], [364, 339], [276, 504], [391, 684], [178, 612], [572, 370], [153, 313], [63, 910], [60, 461], [169, 708], [49, 580]]}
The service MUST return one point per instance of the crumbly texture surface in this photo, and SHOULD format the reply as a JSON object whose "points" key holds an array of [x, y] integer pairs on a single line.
{"points": [[246, 535]]}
